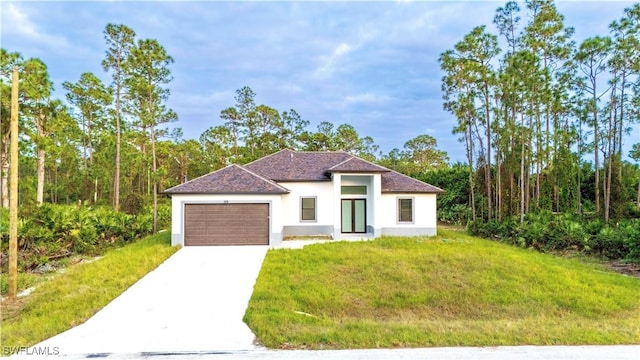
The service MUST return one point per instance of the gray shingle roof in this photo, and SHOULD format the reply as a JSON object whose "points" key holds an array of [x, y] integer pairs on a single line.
{"points": [[233, 179], [262, 175], [357, 165], [394, 182], [289, 165]]}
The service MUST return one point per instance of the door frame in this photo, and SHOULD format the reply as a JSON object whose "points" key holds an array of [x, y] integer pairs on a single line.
{"points": [[353, 215]]}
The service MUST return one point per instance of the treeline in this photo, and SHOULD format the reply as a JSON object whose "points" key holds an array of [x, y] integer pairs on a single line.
{"points": [[545, 119], [108, 144]]}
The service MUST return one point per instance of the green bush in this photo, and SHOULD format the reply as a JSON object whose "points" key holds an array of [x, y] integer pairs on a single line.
{"points": [[48, 231], [631, 237], [546, 231]]}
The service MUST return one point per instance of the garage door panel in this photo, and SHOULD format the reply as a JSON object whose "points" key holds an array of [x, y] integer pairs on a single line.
{"points": [[226, 224]]}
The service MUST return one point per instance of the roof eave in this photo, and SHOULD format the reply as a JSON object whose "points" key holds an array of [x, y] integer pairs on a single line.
{"points": [[358, 171], [411, 192], [227, 193]]}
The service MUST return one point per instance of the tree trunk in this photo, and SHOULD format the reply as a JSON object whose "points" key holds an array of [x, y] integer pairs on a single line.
{"points": [[596, 139], [638, 198], [469, 139], [488, 164], [40, 161], [152, 132], [522, 185], [579, 185], [116, 180]]}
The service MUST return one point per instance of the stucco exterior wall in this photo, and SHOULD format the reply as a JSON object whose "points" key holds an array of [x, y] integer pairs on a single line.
{"points": [[177, 212], [291, 205], [424, 215]]}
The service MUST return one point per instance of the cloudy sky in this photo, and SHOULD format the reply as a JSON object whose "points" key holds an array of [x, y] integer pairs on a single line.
{"points": [[373, 65]]}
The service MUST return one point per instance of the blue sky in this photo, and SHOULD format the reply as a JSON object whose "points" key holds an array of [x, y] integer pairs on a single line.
{"points": [[369, 64]]}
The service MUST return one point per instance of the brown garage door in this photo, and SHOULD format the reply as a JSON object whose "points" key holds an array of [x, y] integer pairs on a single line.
{"points": [[226, 224]]}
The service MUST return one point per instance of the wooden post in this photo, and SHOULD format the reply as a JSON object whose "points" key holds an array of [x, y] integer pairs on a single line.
{"points": [[13, 189]]}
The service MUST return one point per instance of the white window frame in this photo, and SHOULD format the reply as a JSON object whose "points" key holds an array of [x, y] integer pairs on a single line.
{"points": [[315, 209], [413, 209]]}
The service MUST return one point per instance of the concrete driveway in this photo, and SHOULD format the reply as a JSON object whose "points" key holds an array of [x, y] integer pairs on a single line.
{"points": [[192, 302]]}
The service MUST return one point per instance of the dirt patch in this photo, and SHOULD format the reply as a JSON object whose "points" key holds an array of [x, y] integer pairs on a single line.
{"points": [[625, 268], [11, 308]]}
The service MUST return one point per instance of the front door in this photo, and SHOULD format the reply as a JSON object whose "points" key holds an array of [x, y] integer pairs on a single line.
{"points": [[354, 215]]}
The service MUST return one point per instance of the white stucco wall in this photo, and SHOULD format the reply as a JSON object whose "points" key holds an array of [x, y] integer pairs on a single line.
{"points": [[322, 190], [177, 212], [424, 215]]}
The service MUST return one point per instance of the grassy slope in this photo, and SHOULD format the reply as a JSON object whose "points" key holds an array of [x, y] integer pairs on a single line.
{"points": [[72, 297], [447, 291]]}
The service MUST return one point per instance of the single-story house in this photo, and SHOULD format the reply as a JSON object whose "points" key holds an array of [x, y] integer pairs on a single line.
{"points": [[292, 193]]}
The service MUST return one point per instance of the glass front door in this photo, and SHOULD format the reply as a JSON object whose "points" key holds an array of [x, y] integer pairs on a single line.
{"points": [[354, 215]]}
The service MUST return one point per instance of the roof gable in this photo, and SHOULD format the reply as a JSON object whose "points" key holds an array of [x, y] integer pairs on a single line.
{"points": [[394, 182], [357, 165], [233, 179]]}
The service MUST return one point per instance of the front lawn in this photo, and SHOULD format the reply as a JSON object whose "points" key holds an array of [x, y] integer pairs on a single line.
{"points": [[451, 290], [70, 298]]}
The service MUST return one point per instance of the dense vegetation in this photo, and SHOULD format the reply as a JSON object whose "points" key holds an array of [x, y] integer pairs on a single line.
{"points": [[54, 232], [452, 290], [544, 124]]}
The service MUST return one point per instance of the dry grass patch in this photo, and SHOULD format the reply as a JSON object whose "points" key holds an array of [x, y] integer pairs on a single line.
{"points": [[450, 290]]}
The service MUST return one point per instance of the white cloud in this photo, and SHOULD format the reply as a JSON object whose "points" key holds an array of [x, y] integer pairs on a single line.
{"points": [[17, 23], [329, 62]]}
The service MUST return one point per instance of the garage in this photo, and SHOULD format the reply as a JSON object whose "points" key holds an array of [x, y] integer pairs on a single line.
{"points": [[226, 224]]}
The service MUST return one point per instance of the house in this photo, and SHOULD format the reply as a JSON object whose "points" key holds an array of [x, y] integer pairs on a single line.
{"points": [[292, 193]]}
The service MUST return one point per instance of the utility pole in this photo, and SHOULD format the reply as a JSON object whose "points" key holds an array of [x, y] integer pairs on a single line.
{"points": [[13, 189]]}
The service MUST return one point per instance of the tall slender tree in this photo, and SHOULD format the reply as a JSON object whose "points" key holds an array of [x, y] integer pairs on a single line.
{"points": [[119, 40], [7, 61], [592, 59], [91, 98], [37, 89], [148, 74]]}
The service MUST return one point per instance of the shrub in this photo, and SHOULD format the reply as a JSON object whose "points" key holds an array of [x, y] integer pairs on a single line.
{"points": [[547, 231], [58, 230], [631, 238]]}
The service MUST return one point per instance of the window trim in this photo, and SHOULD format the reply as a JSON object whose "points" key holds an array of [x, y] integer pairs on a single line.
{"points": [[413, 209], [315, 209]]}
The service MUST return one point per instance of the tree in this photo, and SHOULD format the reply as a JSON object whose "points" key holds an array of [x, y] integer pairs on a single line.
{"points": [[91, 98], [217, 143], [293, 129], [592, 58], [547, 37], [635, 155], [507, 21], [37, 103], [423, 155], [120, 40], [148, 72], [471, 78], [322, 140], [7, 61], [269, 128]]}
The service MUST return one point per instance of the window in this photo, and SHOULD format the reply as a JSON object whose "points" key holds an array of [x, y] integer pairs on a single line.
{"points": [[354, 190], [308, 209], [405, 210]]}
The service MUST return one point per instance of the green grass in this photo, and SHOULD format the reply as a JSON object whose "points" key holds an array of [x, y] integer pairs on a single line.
{"points": [[25, 281], [453, 290], [70, 298]]}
